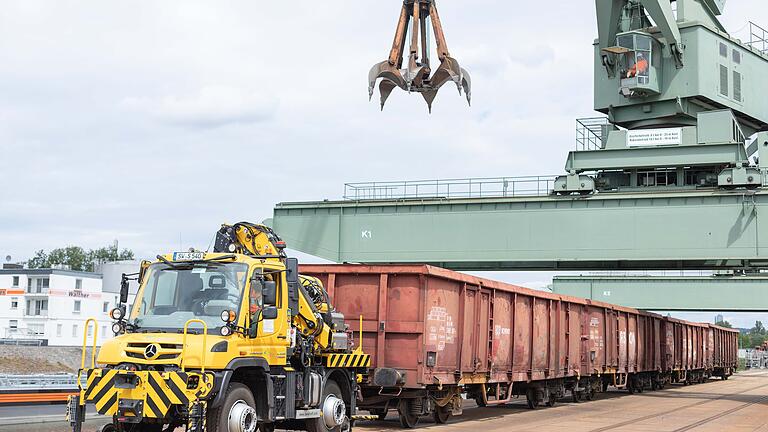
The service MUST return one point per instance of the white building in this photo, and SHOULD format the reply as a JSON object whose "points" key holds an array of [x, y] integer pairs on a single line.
{"points": [[52, 305]]}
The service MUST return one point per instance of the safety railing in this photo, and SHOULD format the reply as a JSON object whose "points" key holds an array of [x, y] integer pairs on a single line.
{"points": [[589, 133], [495, 187], [38, 381], [184, 343], [758, 38]]}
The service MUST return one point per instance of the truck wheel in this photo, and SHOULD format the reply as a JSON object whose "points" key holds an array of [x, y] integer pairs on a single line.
{"points": [[333, 409], [236, 413]]}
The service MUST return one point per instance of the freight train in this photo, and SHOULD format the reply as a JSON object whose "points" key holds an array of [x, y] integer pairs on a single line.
{"points": [[438, 336]]}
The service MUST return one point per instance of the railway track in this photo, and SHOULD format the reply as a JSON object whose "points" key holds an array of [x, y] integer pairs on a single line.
{"points": [[693, 405]]}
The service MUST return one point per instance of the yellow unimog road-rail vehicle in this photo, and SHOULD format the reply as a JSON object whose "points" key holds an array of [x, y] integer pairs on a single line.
{"points": [[224, 341]]}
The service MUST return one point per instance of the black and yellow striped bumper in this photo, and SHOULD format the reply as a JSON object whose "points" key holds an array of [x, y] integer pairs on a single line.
{"points": [[142, 394], [348, 360]]}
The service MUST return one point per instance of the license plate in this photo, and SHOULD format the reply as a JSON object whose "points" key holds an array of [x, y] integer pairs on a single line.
{"points": [[188, 256]]}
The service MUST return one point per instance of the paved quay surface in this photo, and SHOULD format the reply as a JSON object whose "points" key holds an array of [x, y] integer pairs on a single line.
{"points": [[739, 405]]}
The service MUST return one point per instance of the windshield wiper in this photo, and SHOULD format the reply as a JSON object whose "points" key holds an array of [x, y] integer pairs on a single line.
{"points": [[221, 258], [169, 263]]}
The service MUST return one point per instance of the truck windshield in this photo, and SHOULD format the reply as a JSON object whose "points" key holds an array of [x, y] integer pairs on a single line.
{"points": [[174, 294]]}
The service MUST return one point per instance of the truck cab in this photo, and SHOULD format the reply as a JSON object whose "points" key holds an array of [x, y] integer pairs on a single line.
{"points": [[220, 341]]}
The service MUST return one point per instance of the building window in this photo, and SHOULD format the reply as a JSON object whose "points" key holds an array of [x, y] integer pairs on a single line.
{"points": [[41, 285], [103, 331], [59, 328], [90, 331], [36, 329], [13, 325], [74, 330], [14, 302], [737, 57], [15, 282], [37, 307], [78, 284], [77, 306], [106, 307], [723, 50]]}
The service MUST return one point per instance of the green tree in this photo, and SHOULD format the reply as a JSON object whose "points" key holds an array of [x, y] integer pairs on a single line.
{"points": [[758, 329], [40, 260], [77, 258], [725, 324], [109, 253]]}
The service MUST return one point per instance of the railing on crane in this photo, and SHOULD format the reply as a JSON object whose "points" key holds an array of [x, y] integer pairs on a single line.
{"points": [[589, 133], [492, 187], [758, 38]]}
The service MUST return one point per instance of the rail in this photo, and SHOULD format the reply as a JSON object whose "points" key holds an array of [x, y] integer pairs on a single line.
{"points": [[494, 187], [758, 38], [589, 133]]}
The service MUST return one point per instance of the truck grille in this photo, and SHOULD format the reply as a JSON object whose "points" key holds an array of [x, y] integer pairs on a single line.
{"points": [[167, 351]]}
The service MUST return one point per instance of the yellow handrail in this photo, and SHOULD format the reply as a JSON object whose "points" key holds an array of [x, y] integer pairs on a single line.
{"points": [[360, 343], [184, 343], [85, 342]]}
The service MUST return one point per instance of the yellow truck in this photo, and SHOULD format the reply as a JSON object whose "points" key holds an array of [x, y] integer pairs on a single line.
{"points": [[224, 341]]}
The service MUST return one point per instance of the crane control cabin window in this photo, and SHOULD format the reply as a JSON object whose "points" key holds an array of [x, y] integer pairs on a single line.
{"points": [[179, 292], [636, 61]]}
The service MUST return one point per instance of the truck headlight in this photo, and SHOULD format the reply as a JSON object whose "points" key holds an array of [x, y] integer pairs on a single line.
{"points": [[116, 314], [228, 316], [117, 328]]}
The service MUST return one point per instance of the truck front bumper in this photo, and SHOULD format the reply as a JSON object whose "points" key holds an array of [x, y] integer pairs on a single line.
{"points": [[132, 396]]}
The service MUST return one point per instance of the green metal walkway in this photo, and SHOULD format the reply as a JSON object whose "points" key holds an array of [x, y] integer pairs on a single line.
{"points": [[499, 229]]}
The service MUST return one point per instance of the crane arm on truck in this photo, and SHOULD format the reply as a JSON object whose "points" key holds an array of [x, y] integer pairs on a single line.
{"points": [[312, 305]]}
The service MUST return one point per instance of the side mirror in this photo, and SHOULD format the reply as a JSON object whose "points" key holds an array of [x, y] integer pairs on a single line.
{"points": [[269, 293], [269, 313], [124, 289], [292, 270]]}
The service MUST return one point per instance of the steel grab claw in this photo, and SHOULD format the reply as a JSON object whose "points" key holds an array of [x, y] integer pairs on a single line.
{"points": [[417, 76]]}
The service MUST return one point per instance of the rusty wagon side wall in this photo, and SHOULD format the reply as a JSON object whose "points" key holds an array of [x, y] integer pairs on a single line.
{"points": [[725, 347], [440, 326]]}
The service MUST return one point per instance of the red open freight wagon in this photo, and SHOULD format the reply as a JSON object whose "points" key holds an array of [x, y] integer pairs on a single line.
{"points": [[436, 334]]}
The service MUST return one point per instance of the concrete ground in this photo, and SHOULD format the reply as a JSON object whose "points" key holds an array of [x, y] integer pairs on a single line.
{"points": [[739, 404]]}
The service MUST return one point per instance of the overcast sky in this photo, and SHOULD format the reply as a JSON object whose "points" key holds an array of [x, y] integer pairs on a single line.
{"points": [[153, 122]]}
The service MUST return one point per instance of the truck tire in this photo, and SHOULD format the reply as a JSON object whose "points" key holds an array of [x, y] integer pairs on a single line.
{"points": [[237, 410], [331, 390]]}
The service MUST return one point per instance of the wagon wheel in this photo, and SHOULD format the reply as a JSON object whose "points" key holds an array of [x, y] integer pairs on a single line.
{"points": [[442, 414], [408, 419], [532, 398], [592, 393], [551, 400], [576, 396]]}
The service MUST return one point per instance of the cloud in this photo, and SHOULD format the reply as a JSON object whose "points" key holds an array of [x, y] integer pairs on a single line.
{"points": [[210, 107]]}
